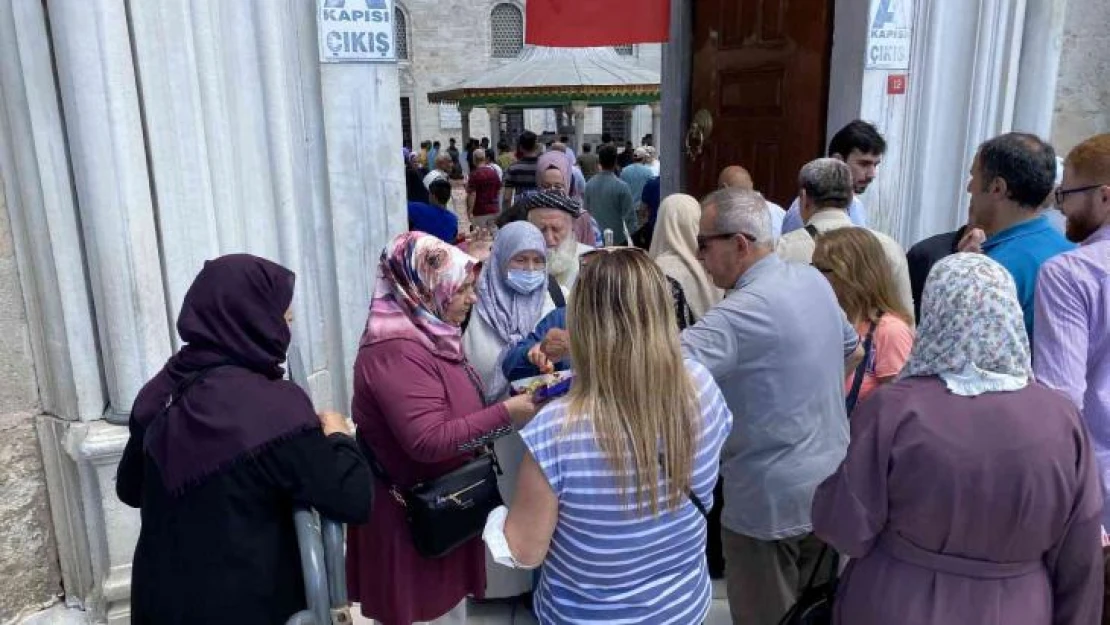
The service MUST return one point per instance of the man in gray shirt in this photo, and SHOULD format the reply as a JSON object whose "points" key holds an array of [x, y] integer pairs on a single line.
{"points": [[777, 347], [609, 199]]}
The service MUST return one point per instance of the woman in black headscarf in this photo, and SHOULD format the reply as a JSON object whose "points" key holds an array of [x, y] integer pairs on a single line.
{"points": [[222, 449]]}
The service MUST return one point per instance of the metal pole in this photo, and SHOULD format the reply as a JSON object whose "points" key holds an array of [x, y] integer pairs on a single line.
{"points": [[313, 568]]}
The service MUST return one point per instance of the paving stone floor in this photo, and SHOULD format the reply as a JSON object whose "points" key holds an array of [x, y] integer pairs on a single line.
{"points": [[509, 614]]}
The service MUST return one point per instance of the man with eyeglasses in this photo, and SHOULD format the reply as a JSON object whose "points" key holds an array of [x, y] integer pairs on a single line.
{"points": [[1071, 340], [1011, 176], [777, 346]]}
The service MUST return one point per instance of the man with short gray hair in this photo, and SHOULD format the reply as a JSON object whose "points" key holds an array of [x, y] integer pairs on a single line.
{"points": [[777, 347], [825, 194]]}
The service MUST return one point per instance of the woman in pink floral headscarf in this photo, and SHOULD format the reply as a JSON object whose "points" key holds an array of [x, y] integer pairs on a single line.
{"points": [[418, 405]]}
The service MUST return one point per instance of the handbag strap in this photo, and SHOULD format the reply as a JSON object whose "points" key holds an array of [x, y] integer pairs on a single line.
{"points": [[177, 392], [694, 499], [861, 369], [811, 583], [396, 491]]}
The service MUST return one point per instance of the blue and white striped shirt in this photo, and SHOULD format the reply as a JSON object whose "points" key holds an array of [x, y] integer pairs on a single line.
{"points": [[607, 563]]}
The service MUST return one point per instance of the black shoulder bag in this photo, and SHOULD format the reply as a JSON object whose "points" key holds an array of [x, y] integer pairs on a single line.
{"points": [[815, 604], [447, 511]]}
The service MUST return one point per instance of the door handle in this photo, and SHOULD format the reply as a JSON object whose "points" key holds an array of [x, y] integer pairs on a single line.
{"points": [[701, 127]]}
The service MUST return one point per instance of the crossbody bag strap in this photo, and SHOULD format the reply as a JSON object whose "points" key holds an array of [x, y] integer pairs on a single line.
{"points": [[178, 391], [694, 499], [861, 369], [379, 471], [556, 293]]}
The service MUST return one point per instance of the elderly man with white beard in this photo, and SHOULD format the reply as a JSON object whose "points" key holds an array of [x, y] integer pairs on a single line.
{"points": [[554, 214]]}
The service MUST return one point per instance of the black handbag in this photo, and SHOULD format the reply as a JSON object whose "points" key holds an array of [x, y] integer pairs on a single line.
{"points": [[815, 604], [447, 511]]}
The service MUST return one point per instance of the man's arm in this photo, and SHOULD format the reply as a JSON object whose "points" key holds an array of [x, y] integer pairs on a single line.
{"points": [[471, 198], [516, 365], [1061, 334]]}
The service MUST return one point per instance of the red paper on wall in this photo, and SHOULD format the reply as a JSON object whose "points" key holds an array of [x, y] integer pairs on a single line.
{"points": [[584, 23]]}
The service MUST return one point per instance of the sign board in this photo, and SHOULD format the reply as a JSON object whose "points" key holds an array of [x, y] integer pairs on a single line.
{"points": [[355, 31], [896, 84], [450, 118], [889, 35]]}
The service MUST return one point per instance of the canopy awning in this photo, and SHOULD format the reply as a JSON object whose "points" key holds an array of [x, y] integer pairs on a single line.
{"points": [[543, 76]]}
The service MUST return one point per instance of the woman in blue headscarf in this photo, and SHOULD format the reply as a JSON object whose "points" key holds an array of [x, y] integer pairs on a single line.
{"points": [[513, 295]]}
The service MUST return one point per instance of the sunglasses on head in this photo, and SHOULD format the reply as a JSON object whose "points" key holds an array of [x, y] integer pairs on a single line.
{"points": [[594, 253]]}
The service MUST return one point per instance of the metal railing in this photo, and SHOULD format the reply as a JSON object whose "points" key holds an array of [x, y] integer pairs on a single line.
{"points": [[320, 541], [321, 544]]}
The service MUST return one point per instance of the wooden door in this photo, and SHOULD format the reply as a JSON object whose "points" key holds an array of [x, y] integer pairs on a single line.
{"points": [[761, 70]]}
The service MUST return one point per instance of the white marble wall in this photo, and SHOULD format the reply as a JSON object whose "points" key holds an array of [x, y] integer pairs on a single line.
{"points": [[170, 133], [1082, 106], [976, 71]]}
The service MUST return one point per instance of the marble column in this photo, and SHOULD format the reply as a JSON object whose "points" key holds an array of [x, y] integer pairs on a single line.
{"points": [[365, 181], [656, 122], [464, 112], [100, 97], [578, 107], [46, 230], [494, 112], [46, 236]]}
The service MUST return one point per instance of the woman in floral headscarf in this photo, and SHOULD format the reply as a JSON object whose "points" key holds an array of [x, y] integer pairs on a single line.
{"points": [[970, 492], [419, 405]]}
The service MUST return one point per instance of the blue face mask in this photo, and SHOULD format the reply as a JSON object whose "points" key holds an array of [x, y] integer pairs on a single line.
{"points": [[525, 282]]}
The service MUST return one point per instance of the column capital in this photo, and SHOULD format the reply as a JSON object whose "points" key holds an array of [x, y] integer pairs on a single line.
{"points": [[492, 109], [465, 108], [578, 107], [656, 107]]}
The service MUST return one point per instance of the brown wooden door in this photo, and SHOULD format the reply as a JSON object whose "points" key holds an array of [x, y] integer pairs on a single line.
{"points": [[761, 70]]}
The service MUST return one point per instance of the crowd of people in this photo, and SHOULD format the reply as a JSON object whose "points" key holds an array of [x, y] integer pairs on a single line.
{"points": [[779, 397]]}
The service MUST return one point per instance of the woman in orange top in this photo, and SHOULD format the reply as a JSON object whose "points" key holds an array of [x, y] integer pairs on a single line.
{"points": [[853, 261]]}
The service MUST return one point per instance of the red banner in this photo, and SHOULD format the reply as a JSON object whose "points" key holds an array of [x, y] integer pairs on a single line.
{"points": [[585, 23]]}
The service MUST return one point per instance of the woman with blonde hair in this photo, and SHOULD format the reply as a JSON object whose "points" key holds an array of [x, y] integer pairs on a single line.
{"points": [[674, 247], [613, 491], [854, 263]]}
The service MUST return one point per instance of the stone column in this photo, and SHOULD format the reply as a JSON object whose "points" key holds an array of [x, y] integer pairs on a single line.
{"points": [[494, 112], [464, 112], [365, 179], [579, 109], [96, 75], [656, 123]]}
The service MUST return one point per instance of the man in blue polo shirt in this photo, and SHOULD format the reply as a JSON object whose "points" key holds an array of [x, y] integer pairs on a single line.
{"points": [[1010, 178]]}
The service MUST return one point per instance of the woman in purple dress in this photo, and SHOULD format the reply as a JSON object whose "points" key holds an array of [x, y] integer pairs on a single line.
{"points": [[969, 493]]}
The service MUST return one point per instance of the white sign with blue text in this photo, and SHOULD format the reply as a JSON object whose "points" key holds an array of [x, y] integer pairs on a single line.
{"points": [[356, 31], [889, 34]]}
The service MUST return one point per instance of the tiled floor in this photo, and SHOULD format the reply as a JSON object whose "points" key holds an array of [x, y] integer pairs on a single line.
{"points": [[506, 614]]}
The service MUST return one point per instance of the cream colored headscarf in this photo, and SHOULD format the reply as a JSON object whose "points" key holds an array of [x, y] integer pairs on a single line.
{"points": [[674, 246]]}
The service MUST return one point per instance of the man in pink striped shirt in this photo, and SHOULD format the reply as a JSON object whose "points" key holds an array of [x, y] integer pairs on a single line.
{"points": [[1071, 339]]}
